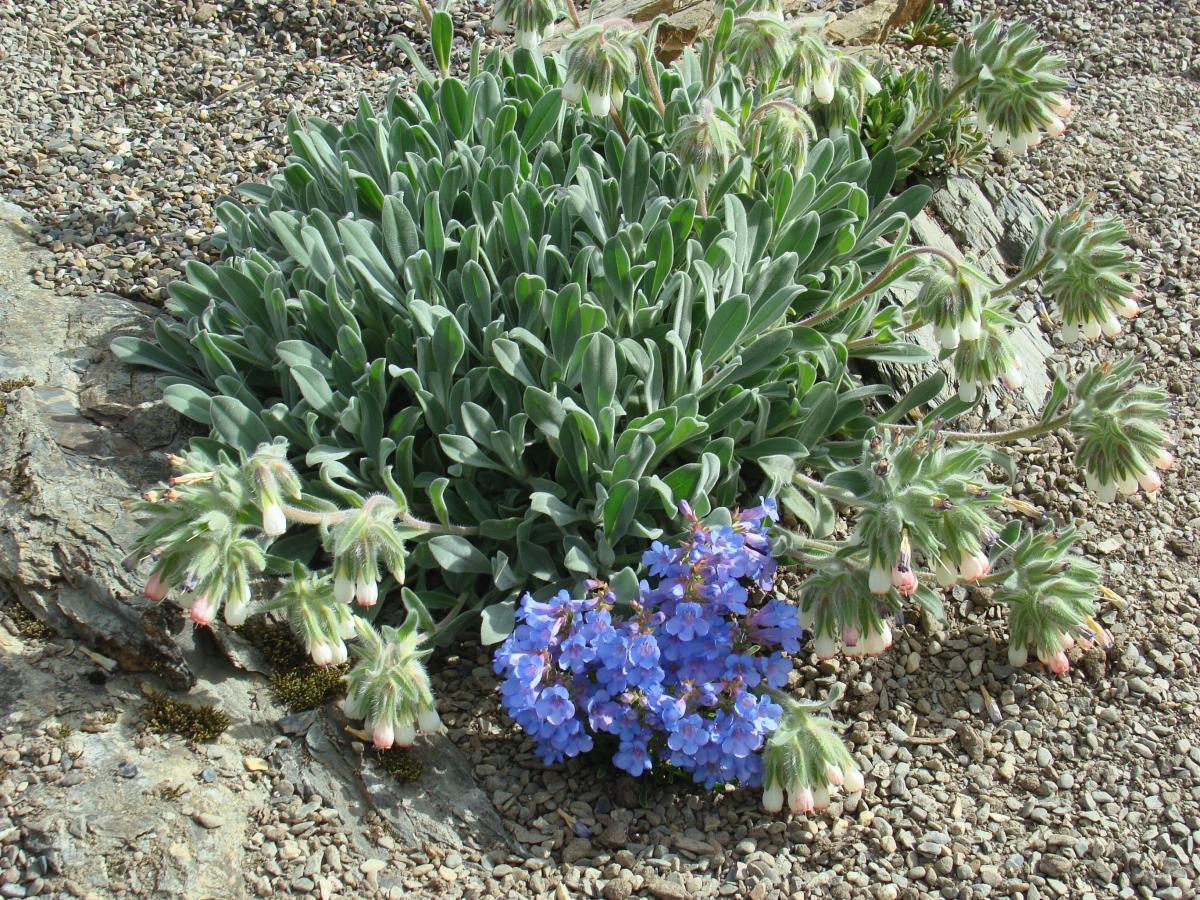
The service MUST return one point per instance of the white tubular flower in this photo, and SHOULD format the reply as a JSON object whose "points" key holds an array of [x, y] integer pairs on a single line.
{"points": [[880, 579], [273, 479], [320, 621]]}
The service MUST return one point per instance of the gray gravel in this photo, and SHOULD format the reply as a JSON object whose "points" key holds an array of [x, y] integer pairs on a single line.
{"points": [[123, 121]]}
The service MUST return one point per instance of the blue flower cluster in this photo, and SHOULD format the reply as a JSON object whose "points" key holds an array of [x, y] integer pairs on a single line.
{"points": [[681, 676]]}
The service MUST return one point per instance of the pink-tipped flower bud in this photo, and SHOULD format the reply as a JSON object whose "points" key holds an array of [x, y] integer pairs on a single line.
{"points": [[880, 580], [1164, 460], [1018, 656], [905, 581], [1111, 327], [833, 774], [1149, 481], [1065, 641], [1013, 379], [1128, 308], [203, 610], [885, 632], [1054, 660], [155, 588], [1056, 127], [800, 800], [321, 653], [853, 781], [1061, 106], [772, 800], [974, 566], [366, 592], [383, 736]]}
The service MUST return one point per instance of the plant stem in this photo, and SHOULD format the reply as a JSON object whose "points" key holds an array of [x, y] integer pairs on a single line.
{"points": [[998, 437], [1023, 276], [873, 285], [651, 77], [572, 13], [869, 339], [426, 12], [931, 118], [616, 117], [826, 490]]}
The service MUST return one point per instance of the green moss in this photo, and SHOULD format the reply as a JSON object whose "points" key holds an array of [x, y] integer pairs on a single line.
{"points": [[196, 722], [399, 762], [8, 385], [296, 683], [27, 625]]}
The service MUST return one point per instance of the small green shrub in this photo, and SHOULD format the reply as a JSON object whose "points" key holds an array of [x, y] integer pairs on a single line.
{"points": [[197, 722]]}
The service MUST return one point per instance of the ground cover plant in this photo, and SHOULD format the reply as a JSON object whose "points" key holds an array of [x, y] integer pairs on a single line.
{"points": [[468, 356]]}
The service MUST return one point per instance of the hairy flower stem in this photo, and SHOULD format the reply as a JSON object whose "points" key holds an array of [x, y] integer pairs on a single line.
{"points": [[874, 284], [620, 126], [311, 517], [426, 12], [999, 437], [650, 76], [826, 490], [1023, 276], [932, 117], [572, 13]]}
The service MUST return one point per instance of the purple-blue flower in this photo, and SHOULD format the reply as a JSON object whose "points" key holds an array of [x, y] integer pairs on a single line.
{"points": [[688, 622]]}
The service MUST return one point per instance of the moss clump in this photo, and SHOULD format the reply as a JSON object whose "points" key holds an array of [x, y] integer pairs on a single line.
{"points": [[196, 722], [399, 762], [296, 682], [26, 624], [8, 385]]}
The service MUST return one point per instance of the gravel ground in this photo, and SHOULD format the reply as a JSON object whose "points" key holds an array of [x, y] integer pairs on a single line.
{"points": [[124, 120]]}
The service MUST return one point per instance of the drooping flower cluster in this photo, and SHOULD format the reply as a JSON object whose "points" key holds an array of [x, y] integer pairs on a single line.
{"points": [[388, 685], [685, 676]]}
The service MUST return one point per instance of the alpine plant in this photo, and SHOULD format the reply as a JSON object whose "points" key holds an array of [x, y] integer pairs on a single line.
{"points": [[466, 357]]}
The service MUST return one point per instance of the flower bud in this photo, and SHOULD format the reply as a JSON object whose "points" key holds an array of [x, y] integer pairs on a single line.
{"points": [[974, 566], [970, 328], [1056, 127], [203, 610], [948, 336], [343, 588], [1127, 485], [235, 612], [340, 655], [155, 588], [572, 89], [945, 574], [1060, 105], [1054, 660], [599, 102], [274, 521], [354, 707], [1149, 481], [1111, 327], [880, 580], [823, 88], [968, 391], [321, 653], [430, 722], [383, 736], [366, 592], [1018, 656], [905, 581], [406, 733], [1013, 379], [800, 800], [853, 781], [773, 798], [833, 774], [527, 40], [1107, 493], [825, 646], [873, 643], [1091, 329], [1164, 460], [1128, 308], [820, 795]]}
